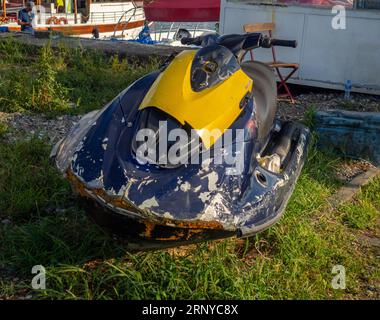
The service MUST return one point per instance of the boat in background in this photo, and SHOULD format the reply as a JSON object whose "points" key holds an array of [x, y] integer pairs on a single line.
{"points": [[146, 22], [79, 17], [167, 22]]}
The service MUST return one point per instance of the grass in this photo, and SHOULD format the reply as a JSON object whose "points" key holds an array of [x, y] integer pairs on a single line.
{"points": [[292, 260], [27, 180], [62, 80], [3, 128], [364, 212], [41, 222]]}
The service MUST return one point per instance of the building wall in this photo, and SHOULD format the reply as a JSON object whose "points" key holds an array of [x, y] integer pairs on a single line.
{"points": [[327, 57]]}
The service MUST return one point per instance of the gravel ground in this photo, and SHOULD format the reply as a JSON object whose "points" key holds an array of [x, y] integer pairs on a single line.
{"points": [[326, 101], [346, 171], [26, 125]]}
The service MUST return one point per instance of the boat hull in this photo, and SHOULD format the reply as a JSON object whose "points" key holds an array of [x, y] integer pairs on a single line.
{"points": [[80, 29]]}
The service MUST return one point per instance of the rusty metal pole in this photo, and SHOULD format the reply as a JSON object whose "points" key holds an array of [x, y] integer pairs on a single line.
{"points": [[4, 8], [76, 11]]}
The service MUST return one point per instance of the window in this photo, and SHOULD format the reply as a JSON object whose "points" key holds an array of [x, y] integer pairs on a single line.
{"points": [[367, 4]]}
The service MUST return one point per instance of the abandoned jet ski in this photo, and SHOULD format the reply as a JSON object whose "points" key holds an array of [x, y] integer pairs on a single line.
{"points": [[191, 152]]}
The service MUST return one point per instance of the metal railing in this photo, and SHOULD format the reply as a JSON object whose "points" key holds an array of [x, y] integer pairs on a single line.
{"points": [[161, 31], [134, 14], [115, 16]]}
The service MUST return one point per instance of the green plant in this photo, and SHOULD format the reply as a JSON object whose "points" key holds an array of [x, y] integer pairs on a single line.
{"points": [[3, 128], [12, 51], [309, 117], [48, 94], [117, 64], [46, 80], [14, 90], [359, 215], [364, 212]]}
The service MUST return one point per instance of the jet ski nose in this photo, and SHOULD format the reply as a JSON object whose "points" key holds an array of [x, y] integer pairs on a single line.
{"points": [[161, 140]]}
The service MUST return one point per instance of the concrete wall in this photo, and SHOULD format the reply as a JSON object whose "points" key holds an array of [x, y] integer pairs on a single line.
{"points": [[327, 57]]}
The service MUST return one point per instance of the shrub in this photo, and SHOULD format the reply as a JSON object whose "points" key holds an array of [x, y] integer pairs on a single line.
{"points": [[48, 94]]}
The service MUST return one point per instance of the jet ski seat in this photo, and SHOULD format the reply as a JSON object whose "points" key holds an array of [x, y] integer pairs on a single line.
{"points": [[265, 94]]}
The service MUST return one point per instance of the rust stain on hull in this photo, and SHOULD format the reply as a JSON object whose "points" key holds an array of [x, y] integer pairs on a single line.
{"points": [[179, 230]]}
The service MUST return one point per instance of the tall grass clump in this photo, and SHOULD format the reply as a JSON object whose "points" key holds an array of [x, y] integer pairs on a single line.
{"points": [[13, 52], [49, 80], [28, 80], [47, 93], [93, 79]]}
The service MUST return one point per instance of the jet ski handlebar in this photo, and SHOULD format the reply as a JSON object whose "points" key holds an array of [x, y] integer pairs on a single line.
{"points": [[246, 42], [266, 42], [197, 41]]}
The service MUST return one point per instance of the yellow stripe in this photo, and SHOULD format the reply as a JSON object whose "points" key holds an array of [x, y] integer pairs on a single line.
{"points": [[214, 108]]}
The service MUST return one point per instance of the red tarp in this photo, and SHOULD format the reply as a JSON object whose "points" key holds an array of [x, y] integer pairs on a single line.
{"points": [[182, 10]]}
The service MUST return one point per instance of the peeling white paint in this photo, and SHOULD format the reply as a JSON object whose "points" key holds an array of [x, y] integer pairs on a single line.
{"points": [[197, 189], [149, 203], [128, 186], [168, 215], [96, 183], [212, 179], [185, 187], [104, 144], [145, 182], [206, 163], [149, 181], [204, 196]]}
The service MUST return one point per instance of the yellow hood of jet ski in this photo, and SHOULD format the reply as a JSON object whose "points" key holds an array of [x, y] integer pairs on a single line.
{"points": [[210, 111]]}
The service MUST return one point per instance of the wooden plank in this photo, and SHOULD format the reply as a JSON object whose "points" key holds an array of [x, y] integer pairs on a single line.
{"points": [[259, 27], [120, 48]]}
